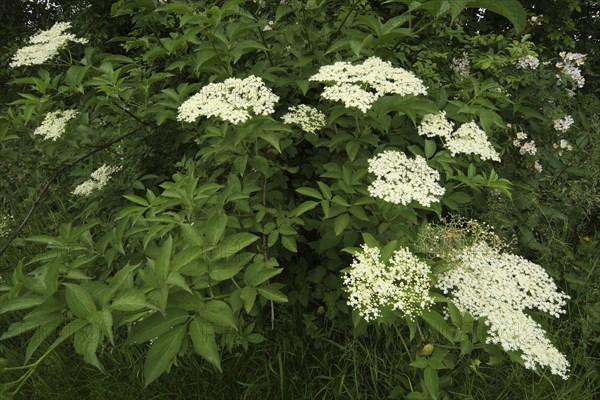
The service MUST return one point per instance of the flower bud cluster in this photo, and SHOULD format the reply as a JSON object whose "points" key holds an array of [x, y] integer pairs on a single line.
{"points": [[570, 66], [358, 86], [527, 62], [54, 124], [402, 283], [45, 45], [401, 180], [461, 65], [5, 221], [524, 147], [308, 118], [231, 100], [98, 180]]}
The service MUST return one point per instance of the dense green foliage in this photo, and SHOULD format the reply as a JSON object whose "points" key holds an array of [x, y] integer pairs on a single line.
{"points": [[210, 266]]}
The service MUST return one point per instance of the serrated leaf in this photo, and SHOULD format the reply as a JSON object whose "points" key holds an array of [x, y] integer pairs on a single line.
{"points": [[341, 222], [79, 300], [233, 244], [219, 313], [162, 353], [131, 299], [156, 325], [272, 294], [203, 339], [248, 296], [21, 303], [308, 191], [163, 262]]}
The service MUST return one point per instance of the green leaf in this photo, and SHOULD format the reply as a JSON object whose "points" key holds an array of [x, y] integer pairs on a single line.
{"points": [[162, 353], [131, 299], [79, 300], [163, 262], [272, 138], [258, 273], [103, 319], [248, 296], [21, 303], [289, 242], [86, 341], [219, 312], [215, 228], [510, 9], [272, 294], [225, 270], [432, 382], [437, 322], [203, 339], [304, 207], [341, 222], [233, 244], [39, 337], [308, 191], [430, 148], [156, 324]]}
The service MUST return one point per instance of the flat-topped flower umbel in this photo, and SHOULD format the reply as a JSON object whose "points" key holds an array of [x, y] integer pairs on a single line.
{"points": [[401, 283], [358, 86], [45, 45], [234, 100], [401, 180]]}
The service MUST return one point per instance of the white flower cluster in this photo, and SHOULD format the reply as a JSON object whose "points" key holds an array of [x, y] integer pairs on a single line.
{"points": [[436, 125], [462, 65], [230, 100], [527, 62], [570, 66], [308, 118], [500, 287], [350, 82], [467, 139], [564, 124], [401, 180], [536, 20], [54, 124], [402, 283], [564, 145], [471, 139], [45, 45], [526, 147], [537, 166], [98, 180]]}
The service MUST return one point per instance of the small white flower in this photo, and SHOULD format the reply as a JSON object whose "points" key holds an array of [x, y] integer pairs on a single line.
{"points": [[570, 66], [537, 166], [564, 124], [54, 124], [308, 118], [401, 180], [521, 135], [45, 45]]}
